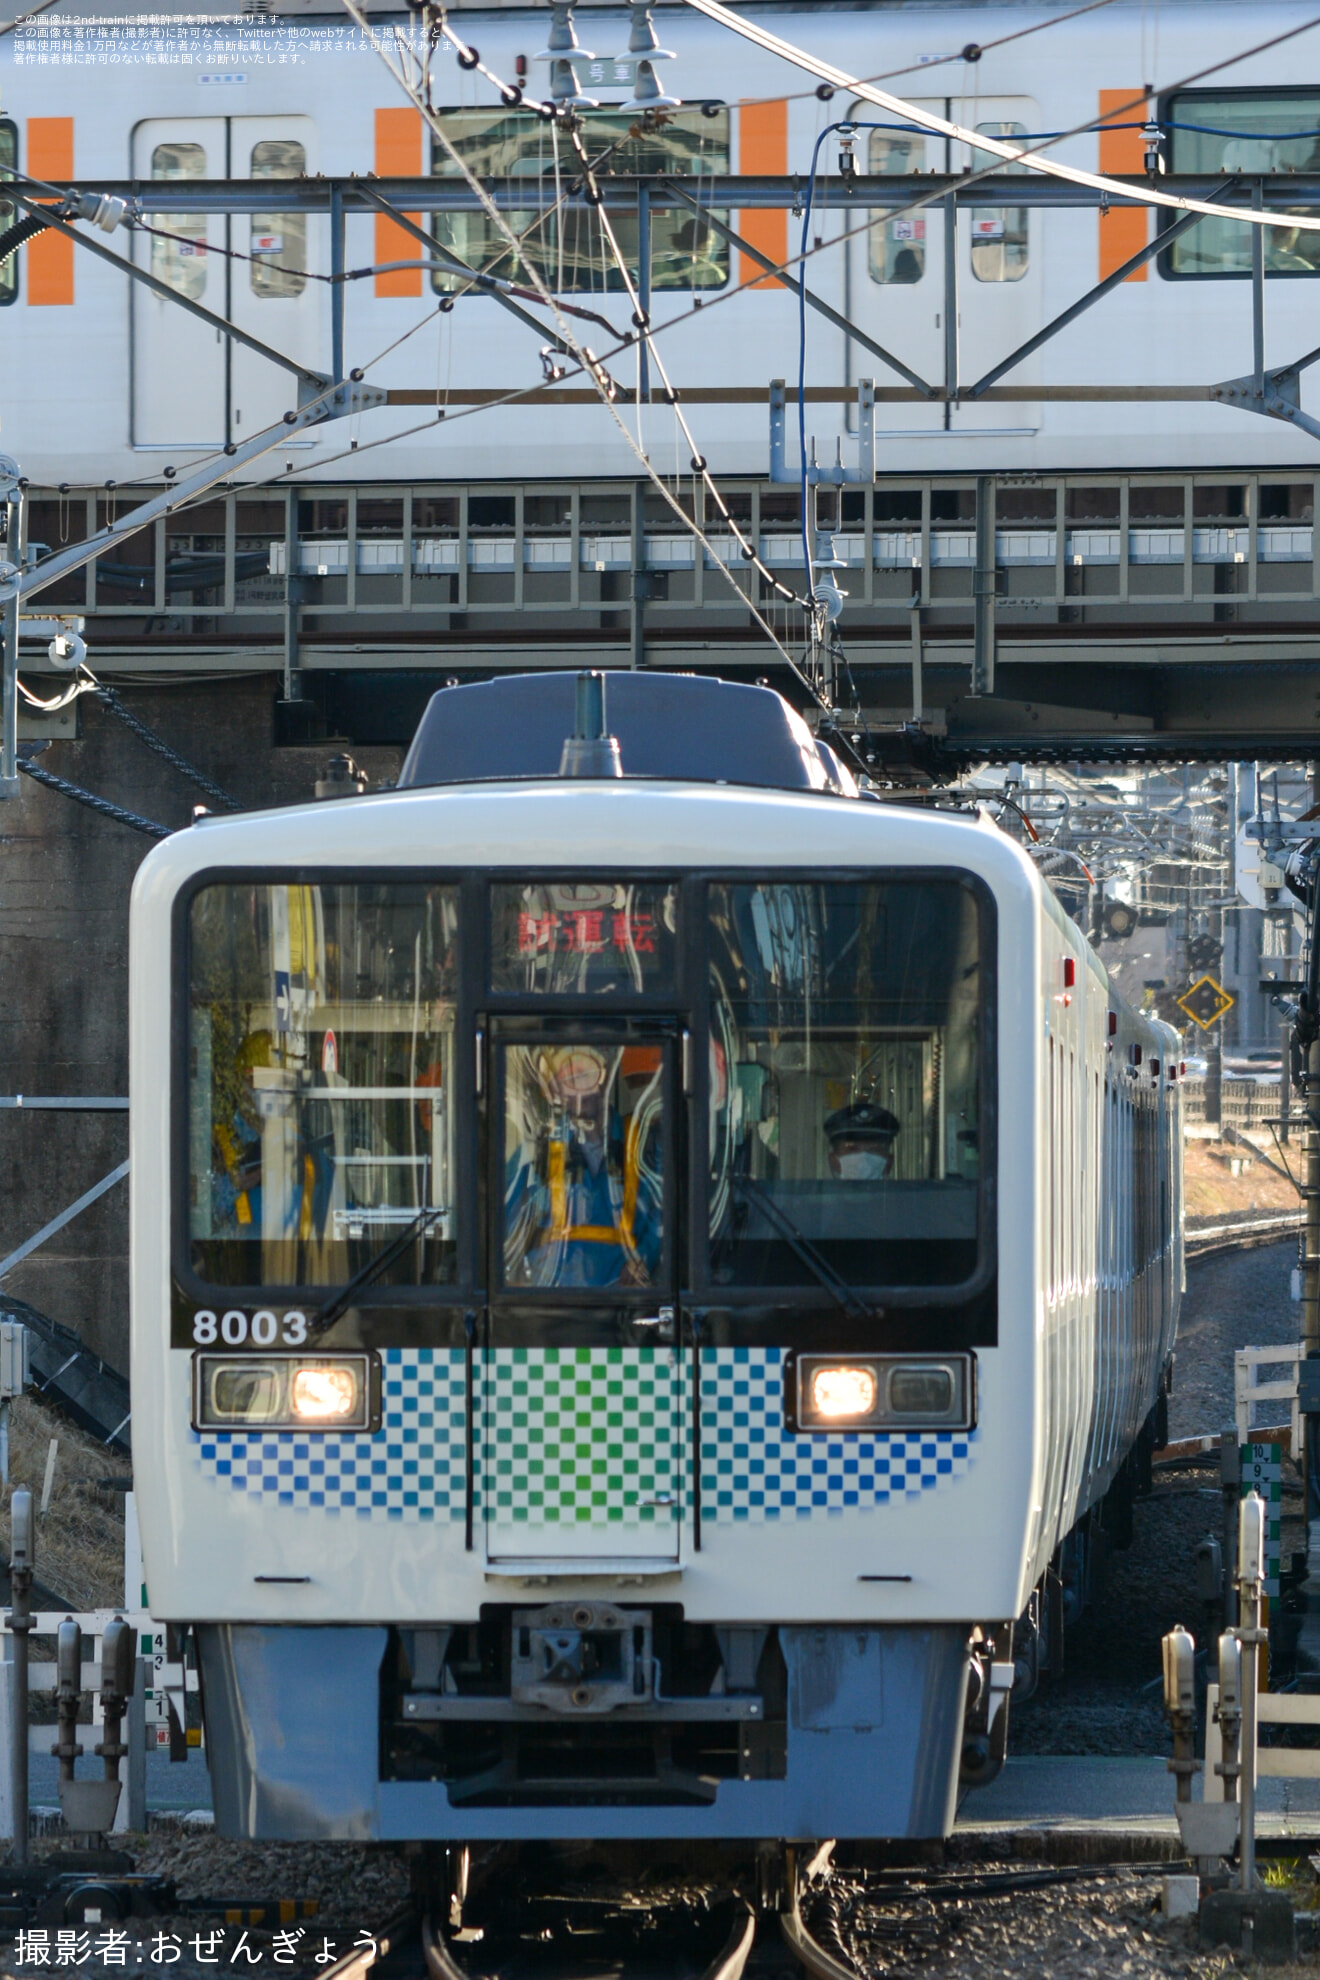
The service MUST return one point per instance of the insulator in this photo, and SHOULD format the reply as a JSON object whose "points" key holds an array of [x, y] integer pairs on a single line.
{"points": [[68, 1656], [563, 45], [118, 1658], [1230, 1673], [565, 90], [647, 93], [642, 42], [1179, 1671]]}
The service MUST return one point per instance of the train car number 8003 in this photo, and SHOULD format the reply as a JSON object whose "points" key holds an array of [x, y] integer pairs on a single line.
{"points": [[236, 1330]]}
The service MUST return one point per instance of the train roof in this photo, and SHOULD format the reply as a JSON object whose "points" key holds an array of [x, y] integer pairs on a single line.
{"points": [[683, 728]]}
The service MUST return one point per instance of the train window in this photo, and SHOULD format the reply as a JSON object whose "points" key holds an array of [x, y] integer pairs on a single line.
{"points": [[584, 1138], [8, 166], [583, 938], [278, 241], [320, 1081], [178, 247], [1243, 131], [898, 247], [845, 1066], [999, 234], [566, 246]]}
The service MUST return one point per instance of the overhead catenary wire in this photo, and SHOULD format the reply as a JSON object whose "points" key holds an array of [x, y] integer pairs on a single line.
{"points": [[683, 316], [642, 320], [7, 27], [967, 181], [970, 52], [1033, 161], [603, 385], [1126, 191]]}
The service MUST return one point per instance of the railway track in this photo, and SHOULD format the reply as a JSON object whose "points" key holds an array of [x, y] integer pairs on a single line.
{"points": [[568, 1933], [1243, 1235]]}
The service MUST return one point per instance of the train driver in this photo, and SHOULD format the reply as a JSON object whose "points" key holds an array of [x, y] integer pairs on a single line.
{"points": [[861, 1140], [583, 1208]]}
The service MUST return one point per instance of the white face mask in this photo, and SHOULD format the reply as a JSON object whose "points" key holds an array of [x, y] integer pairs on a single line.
{"points": [[860, 1165]]}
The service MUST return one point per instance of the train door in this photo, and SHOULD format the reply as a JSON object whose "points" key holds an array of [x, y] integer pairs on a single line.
{"points": [[192, 386], [999, 269], [273, 294], [179, 361], [582, 1398], [895, 271]]}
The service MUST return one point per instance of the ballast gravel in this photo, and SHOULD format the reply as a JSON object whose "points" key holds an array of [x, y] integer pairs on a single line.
{"points": [[1099, 1929]]}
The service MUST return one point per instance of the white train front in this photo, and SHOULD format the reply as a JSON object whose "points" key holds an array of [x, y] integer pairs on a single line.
{"points": [[634, 1278]]}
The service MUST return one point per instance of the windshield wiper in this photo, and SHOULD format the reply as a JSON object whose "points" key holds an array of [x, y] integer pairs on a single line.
{"points": [[336, 1308], [803, 1249]]}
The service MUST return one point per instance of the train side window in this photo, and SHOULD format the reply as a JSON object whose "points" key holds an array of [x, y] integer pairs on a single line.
{"points": [[278, 240], [897, 247], [1216, 133], [178, 248], [1000, 248], [8, 166], [568, 250]]}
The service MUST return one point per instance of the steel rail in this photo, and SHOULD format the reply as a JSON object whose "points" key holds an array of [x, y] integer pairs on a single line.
{"points": [[728, 1963], [1244, 1236], [357, 1964], [808, 1949]]}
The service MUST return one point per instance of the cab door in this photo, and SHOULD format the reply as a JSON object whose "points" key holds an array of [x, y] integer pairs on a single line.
{"points": [[274, 294], [179, 362], [895, 274], [582, 1397], [192, 385], [999, 269]]}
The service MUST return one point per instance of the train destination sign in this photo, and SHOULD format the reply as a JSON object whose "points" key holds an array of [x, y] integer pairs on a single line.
{"points": [[1206, 1002]]}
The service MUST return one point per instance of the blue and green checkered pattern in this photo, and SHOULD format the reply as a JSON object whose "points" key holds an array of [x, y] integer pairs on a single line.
{"points": [[582, 1436]]}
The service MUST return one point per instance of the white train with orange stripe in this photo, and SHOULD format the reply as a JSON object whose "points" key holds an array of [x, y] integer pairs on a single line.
{"points": [[107, 381]]}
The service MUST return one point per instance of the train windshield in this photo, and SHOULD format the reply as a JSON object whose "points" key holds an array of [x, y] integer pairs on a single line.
{"points": [[846, 1058], [320, 1081]]}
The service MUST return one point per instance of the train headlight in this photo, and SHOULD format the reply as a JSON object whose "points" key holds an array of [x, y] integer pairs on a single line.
{"points": [[330, 1392], [840, 1392], [282, 1392], [921, 1391], [883, 1392]]}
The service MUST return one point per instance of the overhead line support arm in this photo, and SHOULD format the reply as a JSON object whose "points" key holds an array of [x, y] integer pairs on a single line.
{"points": [[315, 379], [485, 285], [812, 300], [1083, 303]]}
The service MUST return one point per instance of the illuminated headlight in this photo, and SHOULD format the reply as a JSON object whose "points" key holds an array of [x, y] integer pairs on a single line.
{"points": [[840, 1392], [885, 1392], [282, 1392], [330, 1393]]}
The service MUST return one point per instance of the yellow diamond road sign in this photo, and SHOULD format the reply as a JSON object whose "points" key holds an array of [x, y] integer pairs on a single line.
{"points": [[1206, 1002]]}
